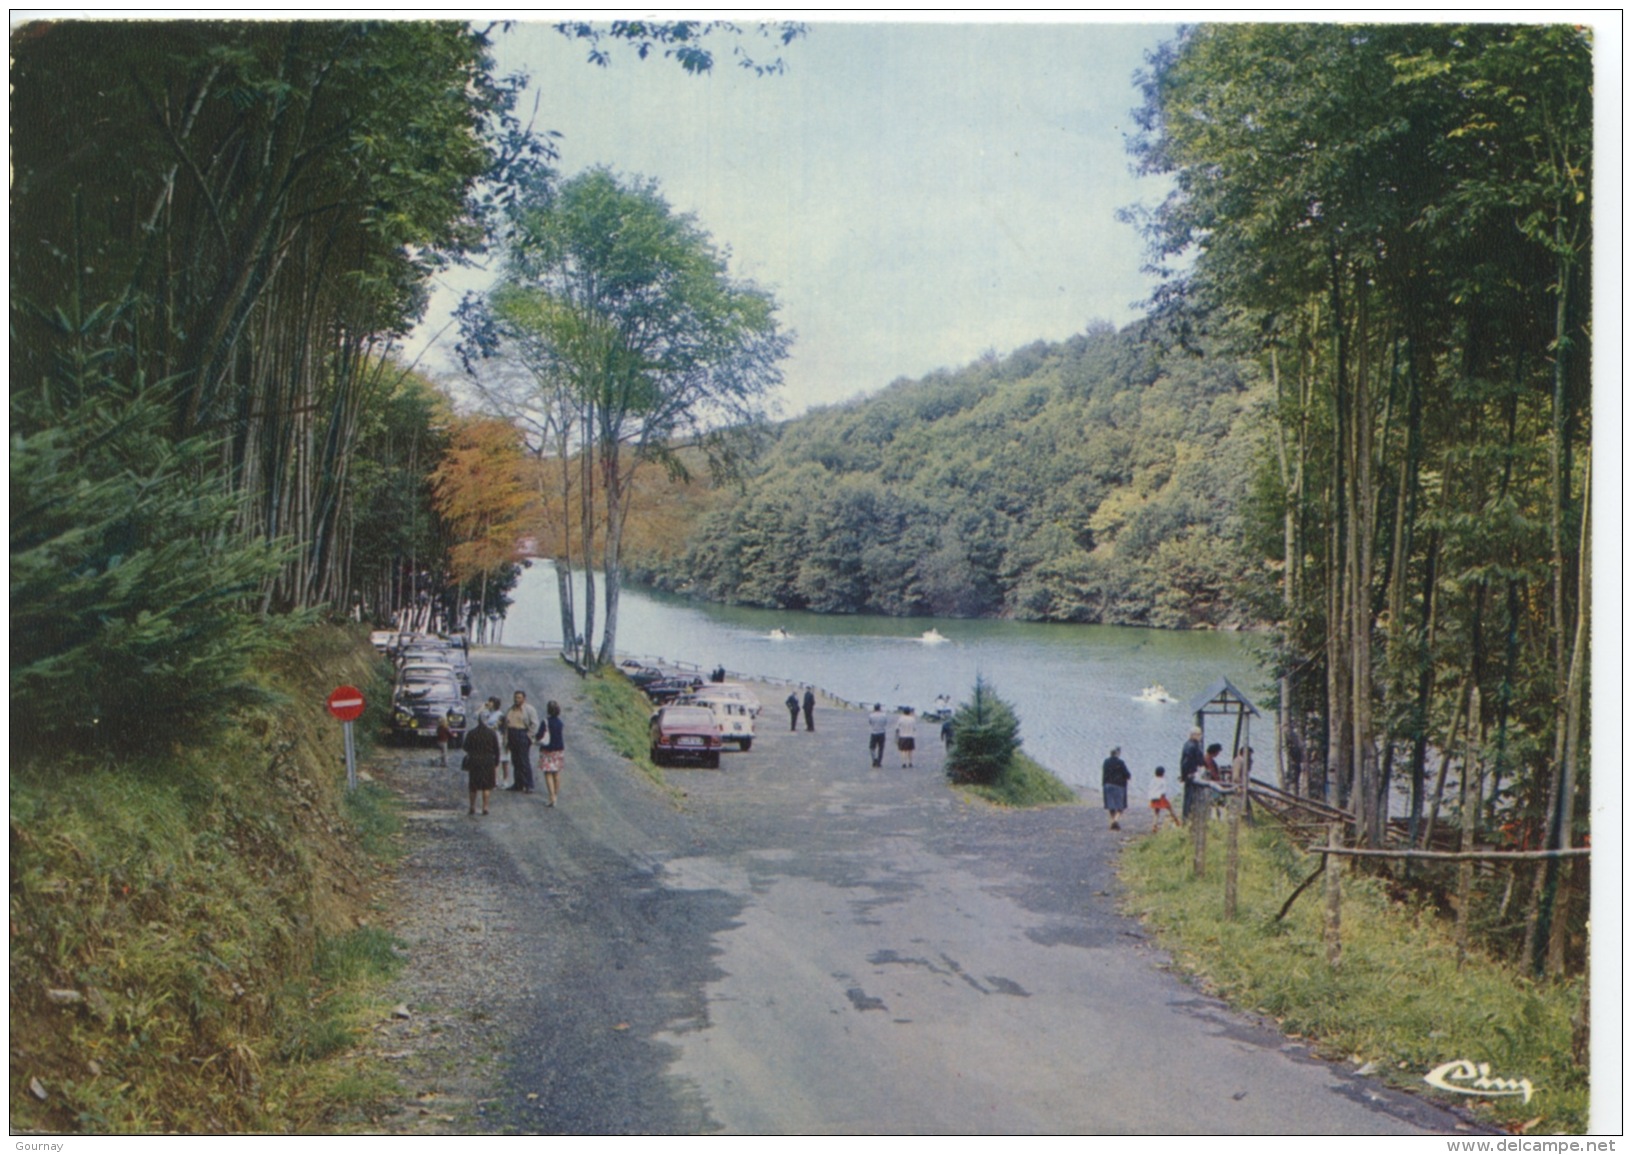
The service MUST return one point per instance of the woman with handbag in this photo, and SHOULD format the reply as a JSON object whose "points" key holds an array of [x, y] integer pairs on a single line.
{"points": [[553, 753]]}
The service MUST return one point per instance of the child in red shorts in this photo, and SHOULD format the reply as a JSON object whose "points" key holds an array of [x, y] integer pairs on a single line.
{"points": [[1158, 800]]}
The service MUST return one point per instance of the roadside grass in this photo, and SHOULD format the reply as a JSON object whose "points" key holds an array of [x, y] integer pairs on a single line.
{"points": [[1396, 1001], [623, 714], [186, 948], [372, 812], [1025, 783]]}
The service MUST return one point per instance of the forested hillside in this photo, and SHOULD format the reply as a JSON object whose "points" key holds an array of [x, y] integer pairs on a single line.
{"points": [[1092, 480]]}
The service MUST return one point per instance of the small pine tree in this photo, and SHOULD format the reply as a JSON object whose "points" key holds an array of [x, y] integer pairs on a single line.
{"points": [[985, 736], [132, 598]]}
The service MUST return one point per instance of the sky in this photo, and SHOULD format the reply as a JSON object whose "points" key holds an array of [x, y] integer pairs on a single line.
{"points": [[913, 194]]}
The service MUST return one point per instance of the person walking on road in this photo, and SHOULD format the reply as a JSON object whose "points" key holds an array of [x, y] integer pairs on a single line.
{"points": [[878, 724], [810, 709], [520, 723], [553, 753], [1113, 785], [793, 711], [906, 736], [481, 761]]}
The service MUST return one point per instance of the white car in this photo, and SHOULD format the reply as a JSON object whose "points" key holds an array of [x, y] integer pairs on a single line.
{"points": [[735, 691], [732, 716]]}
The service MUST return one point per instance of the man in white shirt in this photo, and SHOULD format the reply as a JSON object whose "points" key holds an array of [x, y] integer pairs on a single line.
{"points": [[520, 724], [878, 724]]}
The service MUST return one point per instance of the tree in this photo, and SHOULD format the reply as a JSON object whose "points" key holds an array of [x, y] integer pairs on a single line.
{"points": [[985, 737], [683, 41], [627, 314], [1396, 221], [129, 626], [260, 205], [488, 501]]}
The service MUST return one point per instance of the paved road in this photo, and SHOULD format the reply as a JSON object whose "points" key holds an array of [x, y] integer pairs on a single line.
{"points": [[804, 944]]}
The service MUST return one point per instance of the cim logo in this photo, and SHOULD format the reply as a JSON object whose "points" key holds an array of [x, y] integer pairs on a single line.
{"points": [[1465, 1078]]}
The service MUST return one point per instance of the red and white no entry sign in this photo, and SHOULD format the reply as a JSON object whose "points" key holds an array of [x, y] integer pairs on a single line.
{"points": [[346, 703]]}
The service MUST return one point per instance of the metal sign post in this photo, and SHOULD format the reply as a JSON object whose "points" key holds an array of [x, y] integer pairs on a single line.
{"points": [[346, 704]]}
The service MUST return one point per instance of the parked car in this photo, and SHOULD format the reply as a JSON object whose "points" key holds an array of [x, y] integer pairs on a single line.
{"points": [[437, 664], [417, 706], [735, 691], [644, 676], [383, 640], [733, 717], [685, 733], [668, 689]]}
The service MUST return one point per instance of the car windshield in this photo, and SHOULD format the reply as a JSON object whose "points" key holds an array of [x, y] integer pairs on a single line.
{"points": [[438, 688]]}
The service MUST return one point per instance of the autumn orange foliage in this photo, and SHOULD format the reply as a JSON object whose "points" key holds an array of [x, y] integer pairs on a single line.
{"points": [[494, 496], [487, 495]]}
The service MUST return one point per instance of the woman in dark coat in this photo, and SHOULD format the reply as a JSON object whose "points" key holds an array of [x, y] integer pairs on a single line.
{"points": [[481, 761]]}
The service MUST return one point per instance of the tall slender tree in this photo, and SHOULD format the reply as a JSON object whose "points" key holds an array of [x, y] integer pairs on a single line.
{"points": [[627, 313], [1403, 213]]}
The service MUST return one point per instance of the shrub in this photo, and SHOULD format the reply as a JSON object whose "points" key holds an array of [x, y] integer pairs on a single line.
{"points": [[985, 736]]}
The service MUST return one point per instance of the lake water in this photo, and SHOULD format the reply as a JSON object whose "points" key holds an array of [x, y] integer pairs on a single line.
{"points": [[1074, 687]]}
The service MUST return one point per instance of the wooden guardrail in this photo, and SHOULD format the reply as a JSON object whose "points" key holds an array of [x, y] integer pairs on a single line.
{"points": [[1303, 816]]}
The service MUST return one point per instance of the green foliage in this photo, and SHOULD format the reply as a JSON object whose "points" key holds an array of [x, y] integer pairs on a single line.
{"points": [[1025, 783], [985, 738], [130, 623], [683, 41], [394, 526], [622, 714], [264, 201], [1045, 486], [372, 812], [1397, 999], [190, 902], [638, 338], [1395, 222]]}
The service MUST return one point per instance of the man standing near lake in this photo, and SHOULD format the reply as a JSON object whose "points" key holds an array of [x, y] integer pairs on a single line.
{"points": [[878, 724], [810, 709], [1113, 785], [1190, 760]]}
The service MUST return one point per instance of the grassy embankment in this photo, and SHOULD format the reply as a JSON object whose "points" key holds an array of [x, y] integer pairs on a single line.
{"points": [[1024, 783], [622, 714], [1396, 1001], [191, 948]]}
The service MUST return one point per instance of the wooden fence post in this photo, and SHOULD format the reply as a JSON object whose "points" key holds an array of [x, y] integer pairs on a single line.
{"points": [[1198, 827], [1232, 850], [1334, 896]]}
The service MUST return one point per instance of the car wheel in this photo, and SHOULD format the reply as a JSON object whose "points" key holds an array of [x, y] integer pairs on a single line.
{"points": [[712, 761], [656, 760], [747, 744]]}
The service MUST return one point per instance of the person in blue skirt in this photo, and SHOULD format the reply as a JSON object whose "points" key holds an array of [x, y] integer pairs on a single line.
{"points": [[1113, 780]]}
